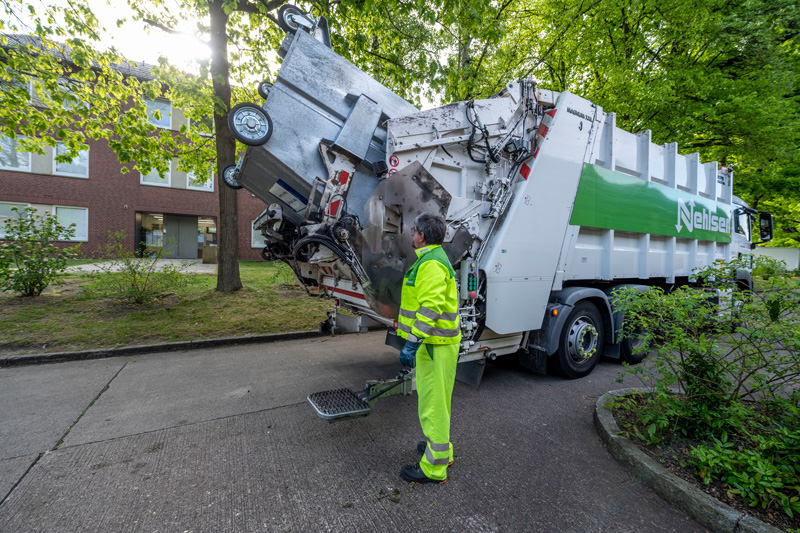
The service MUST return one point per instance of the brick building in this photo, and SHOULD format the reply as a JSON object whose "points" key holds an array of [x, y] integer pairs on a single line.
{"points": [[99, 199], [92, 193]]}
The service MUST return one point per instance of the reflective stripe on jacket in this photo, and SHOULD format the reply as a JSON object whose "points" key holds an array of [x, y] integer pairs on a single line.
{"points": [[429, 300]]}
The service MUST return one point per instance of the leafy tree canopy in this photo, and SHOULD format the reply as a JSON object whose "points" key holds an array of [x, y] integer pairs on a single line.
{"points": [[716, 76]]}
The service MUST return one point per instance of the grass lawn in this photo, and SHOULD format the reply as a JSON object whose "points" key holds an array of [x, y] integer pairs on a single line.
{"points": [[75, 316]]}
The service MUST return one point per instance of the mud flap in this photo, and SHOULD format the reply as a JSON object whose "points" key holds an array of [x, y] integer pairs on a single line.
{"points": [[471, 372]]}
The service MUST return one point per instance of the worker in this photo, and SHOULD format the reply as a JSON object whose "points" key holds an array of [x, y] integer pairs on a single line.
{"points": [[429, 322]]}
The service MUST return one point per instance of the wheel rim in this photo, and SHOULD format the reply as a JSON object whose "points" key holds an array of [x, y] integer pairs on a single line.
{"points": [[582, 340], [288, 18], [230, 177], [250, 123]]}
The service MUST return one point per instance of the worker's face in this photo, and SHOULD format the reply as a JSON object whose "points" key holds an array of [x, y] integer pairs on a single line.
{"points": [[417, 238]]}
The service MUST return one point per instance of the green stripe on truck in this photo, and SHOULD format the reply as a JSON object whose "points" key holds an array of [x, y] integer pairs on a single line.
{"points": [[612, 200]]}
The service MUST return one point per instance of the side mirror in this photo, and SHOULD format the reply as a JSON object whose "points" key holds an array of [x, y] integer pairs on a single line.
{"points": [[765, 226]]}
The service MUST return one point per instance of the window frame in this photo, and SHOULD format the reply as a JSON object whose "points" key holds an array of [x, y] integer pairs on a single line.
{"points": [[66, 86], [169, 115], [253, 234], [190, 176], [29, 168], [168, 178], [77, 237], [200, 133], [69, 174], [3, 218]]}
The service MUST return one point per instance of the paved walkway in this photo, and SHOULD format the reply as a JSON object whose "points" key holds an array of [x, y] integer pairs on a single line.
{"points": [[189, 265], [223, 440]]}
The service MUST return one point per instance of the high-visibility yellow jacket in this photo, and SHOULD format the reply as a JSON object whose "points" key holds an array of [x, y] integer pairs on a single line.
{"points": [[429, 299]]}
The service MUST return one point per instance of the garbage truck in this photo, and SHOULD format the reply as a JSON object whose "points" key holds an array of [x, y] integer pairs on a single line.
{"points": [[550, 207]]}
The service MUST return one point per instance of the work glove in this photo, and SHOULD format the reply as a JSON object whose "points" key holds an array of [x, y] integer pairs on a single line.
{"points": [[408, 355]]}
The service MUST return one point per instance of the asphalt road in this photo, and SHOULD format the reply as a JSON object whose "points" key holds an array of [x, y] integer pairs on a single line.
{"points": [[223, 440]]}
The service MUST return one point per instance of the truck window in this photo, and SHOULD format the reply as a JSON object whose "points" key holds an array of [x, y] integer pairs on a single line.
{"points": [[743, 224]]}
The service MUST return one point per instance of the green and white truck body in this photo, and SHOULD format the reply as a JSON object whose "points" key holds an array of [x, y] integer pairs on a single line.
{"points": [[550, 207]]}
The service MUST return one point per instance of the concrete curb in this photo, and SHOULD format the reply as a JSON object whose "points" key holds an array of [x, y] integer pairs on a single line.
{"points": [[706, 510], [100, 353]]}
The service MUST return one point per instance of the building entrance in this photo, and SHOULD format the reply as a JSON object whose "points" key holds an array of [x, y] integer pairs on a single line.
{"points": [[181, 236]]}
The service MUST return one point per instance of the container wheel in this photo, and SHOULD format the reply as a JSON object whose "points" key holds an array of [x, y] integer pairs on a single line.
{"points": [[285, 18], [230, 177], [581, 342], [250, 124], [264, 88]]}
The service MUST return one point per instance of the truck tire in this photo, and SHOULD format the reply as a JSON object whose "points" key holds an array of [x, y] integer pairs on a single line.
{"points": [[250, 124], [580, 342], [627, 350]]}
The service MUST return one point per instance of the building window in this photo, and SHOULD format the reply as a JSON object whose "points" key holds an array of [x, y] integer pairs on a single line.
{"points": [[69, 101], [195, 185], [12, 157], [256, 238], [204, 126], [64, 95], [7, 213], [74, 215], [17, 91], [159, 112], [152, 178], [77, 168]]}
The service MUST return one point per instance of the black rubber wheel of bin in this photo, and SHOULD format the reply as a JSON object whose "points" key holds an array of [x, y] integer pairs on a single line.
{"points": [[230, 177], [284, 19], [250, 124], [264, 88]]}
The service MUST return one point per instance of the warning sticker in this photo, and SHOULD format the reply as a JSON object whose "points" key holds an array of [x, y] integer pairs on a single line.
{"points": [[286, 194]]}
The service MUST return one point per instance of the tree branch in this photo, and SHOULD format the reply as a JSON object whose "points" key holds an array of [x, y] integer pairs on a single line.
{"points": [[260, 7], [172, 31]]}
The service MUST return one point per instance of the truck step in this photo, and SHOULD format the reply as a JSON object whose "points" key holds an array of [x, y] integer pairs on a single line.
{"points": [[339, 403]]}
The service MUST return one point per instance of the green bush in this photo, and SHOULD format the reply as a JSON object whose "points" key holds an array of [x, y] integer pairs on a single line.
{"points": [[136, 280], [30, 259], [720, 358], [769, 267], [763, 471]]}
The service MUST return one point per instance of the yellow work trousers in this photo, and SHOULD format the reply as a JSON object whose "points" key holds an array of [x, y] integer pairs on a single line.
{"points": [[435, 379]]}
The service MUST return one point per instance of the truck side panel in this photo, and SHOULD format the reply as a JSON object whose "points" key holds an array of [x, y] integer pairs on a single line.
{"points": [[645, 211]]}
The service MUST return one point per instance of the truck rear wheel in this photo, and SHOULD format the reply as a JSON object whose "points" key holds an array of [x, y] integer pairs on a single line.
{"points": [[628, 349], [581, 342]]}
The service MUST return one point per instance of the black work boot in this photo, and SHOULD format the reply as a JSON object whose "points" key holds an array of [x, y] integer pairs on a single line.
{"points": [[421, 445], [414, 474]]}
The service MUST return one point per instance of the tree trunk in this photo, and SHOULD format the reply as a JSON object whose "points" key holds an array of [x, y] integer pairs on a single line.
{"points": [[228, 279]]}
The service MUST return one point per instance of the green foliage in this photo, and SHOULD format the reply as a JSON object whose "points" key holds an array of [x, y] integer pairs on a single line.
{"points": [[765, 469], [769, 267], [430, 51], [283, 275], [723, 361], [61, 89], [30, 259], [136, 280]]}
